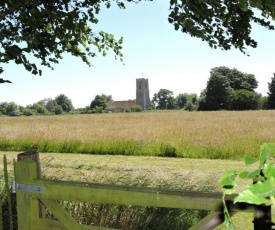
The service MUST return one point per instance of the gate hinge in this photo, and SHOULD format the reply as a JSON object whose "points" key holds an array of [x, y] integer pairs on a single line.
{"points": [[16, 187]]}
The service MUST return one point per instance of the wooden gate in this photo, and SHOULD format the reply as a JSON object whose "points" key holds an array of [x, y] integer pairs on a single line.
{"points": [[33, 193]]}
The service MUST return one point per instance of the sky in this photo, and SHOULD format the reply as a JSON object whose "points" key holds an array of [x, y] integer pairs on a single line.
{"points": [[152, 49]]}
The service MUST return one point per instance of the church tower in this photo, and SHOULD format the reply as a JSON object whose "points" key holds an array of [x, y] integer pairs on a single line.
{"points": [[142, 93]]}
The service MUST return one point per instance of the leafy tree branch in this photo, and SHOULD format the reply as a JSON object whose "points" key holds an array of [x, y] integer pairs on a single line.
{"points": [[46, 29]]}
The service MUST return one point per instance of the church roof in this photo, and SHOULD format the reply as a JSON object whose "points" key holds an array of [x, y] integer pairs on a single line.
{"points": [[121, 104]]}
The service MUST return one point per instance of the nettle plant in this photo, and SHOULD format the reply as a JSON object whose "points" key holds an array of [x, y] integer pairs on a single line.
{"points": [[262, 191]]}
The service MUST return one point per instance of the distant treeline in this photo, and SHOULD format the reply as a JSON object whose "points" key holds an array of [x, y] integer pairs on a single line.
{"points": [[61, 104], [226, 89]]}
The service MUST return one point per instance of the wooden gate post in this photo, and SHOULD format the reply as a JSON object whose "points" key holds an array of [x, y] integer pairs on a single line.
{"points": [[33, 156], [262, 215], [27, 208], [262, 218]]}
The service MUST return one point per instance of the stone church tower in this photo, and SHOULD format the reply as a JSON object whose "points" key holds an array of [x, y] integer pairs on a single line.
{"points": [[142, 93]]}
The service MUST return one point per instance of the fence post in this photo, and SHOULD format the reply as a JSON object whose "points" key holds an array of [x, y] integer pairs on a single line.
{"points": [[33, 156], [6, 177], [262, 218], [27, 208]]}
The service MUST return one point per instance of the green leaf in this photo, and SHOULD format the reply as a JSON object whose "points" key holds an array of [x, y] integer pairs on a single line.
{"points": [[249, 175], [108, 5], [170, 20], [28, 67], [173, 2], [34, 72], [243, 5], [248, 197], [17, 39], [264, 189], [266, 150], [228, 181], [250, 160], [269, 171]]}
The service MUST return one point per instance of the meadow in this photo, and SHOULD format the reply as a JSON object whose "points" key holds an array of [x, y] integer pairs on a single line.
{"points": [[208, 135], [124, 148]]}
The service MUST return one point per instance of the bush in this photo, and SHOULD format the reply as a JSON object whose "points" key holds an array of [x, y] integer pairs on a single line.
{"points": [[97, 109], [29, 112], [137, 108]]}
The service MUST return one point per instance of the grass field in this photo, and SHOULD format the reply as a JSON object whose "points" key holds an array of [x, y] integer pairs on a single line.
{"points": [[212, 135]]}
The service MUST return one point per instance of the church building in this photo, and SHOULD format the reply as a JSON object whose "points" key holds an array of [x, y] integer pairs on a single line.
{"points": [[142, 99]]}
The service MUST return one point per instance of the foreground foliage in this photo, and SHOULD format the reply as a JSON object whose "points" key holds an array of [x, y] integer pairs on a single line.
{"points": [[222, 23], [261, 192]]}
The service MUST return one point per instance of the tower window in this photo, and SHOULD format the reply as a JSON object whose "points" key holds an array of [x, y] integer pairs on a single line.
{"points": [[146, 86], [139, 86]]}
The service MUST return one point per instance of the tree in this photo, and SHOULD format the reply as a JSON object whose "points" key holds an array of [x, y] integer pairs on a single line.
{"points": [[271, 94], [250, 83], [263, 102], [187, 101], [50, 104], [46, 29], [64, 102], [244, 100], [8, 107], [223, 24], [164, 99], [217, 92], [58, 110], [39, 108], [100, 101], [237, 79], [182, 100]]}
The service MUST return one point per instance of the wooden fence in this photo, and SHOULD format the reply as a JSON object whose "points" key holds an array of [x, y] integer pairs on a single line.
{"points": [[33, 195]]}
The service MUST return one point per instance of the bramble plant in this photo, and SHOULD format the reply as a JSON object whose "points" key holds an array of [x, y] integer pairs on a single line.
{"points": [[262, 191]]}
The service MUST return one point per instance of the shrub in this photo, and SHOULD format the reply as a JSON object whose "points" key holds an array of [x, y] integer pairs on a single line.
{"points": [[29, 112], [137, 108], [97, 109]]}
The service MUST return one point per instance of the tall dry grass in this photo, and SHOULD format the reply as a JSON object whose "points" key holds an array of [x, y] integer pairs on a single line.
{"points": [[222, 134]]}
